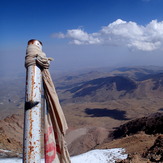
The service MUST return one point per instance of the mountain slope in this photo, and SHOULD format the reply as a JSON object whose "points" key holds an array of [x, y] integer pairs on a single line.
{"points": [[142, 138], [114, 88], [121, 84]]}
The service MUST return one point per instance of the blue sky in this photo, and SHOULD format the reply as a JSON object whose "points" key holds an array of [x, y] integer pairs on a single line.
{"points": [[82, 33]]}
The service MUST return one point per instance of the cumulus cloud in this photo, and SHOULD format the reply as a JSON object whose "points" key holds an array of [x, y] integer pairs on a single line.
{"points": [[81, 37], [121, 33]]}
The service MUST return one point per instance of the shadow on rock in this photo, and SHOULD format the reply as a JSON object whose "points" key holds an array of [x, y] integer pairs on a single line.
{"points": [[113, 113]]}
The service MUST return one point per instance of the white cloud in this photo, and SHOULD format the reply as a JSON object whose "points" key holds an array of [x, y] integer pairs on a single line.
{"points": [[121, 33], [81, 37]]}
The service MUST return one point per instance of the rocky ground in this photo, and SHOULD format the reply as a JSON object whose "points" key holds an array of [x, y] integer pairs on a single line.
{"points": [[11, 131], [141, 145], [142, 138], [153, 153]]}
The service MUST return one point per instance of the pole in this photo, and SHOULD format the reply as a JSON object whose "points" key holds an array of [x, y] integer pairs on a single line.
{"points": [[32, 115]]}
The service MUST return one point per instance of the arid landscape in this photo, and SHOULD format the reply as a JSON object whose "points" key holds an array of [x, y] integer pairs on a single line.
{"points": [[104, 108], [106, 60]]}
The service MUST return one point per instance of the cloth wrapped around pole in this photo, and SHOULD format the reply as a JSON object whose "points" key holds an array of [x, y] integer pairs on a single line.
{"points": [[55, 122]]}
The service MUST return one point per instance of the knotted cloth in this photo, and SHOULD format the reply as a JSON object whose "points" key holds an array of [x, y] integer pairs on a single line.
{"points": [[55, 122]]}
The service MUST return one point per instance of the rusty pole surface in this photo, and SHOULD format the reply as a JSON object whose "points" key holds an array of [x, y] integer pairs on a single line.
{"points": [[32, 115]]}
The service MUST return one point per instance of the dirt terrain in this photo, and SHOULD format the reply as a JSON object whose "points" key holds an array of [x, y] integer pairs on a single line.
{"points": [[11, 131], [102, 109], [142, 139], [138, 144]]}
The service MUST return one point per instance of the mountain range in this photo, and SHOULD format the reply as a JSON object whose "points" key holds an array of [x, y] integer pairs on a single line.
{"points": [[95, 103]]}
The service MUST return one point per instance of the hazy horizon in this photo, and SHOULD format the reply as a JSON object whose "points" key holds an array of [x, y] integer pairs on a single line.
{"points": [[82, 34]]}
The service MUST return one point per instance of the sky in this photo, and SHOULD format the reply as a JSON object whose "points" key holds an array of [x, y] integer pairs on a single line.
{"points": [[82, 34]]}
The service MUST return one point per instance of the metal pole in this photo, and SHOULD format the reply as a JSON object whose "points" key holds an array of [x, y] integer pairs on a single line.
{"points": [[32, 115]]}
